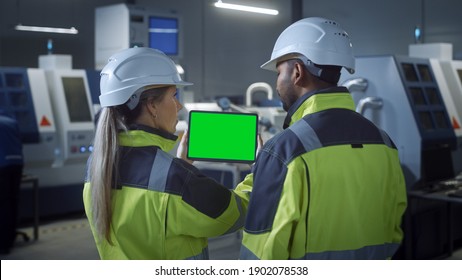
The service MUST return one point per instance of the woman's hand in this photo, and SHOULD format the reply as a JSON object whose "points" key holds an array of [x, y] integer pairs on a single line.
{"points": [[182, 150]]}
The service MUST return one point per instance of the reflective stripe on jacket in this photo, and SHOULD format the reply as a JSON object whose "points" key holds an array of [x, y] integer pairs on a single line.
{"points": [[163, 207], [328, 187]]}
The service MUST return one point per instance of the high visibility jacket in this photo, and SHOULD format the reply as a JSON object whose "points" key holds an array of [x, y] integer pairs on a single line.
{"points": [[330, 186], [163, 207]]}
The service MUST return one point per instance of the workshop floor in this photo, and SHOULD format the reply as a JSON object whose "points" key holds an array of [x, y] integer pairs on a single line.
{"points": [[71, 239]]}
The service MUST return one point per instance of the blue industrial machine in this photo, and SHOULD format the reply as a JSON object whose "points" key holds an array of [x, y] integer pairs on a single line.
{"points": [[24, 96], [402, 96], [55, 116]]}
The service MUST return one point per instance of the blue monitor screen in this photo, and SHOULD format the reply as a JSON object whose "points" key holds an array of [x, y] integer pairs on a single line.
{"points": [[163, 34]]}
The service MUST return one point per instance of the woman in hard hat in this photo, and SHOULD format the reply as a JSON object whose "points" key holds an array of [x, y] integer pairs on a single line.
{"points": [[142, 202]]}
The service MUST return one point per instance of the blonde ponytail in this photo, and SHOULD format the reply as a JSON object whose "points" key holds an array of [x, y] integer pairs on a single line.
{"points": [[103, 169]]}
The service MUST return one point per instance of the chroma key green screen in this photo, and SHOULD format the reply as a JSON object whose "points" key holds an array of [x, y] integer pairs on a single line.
{"points": [[222, 136]]}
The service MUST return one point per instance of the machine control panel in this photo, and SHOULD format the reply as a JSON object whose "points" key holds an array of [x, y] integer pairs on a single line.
{"points": [[426, 101], [80, 142]]}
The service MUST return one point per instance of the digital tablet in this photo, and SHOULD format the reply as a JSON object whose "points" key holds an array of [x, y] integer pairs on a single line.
{"points": [[222, 136]]}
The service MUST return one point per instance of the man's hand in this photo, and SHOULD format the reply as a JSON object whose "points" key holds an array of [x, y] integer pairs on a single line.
{"points": [[259, 144]]}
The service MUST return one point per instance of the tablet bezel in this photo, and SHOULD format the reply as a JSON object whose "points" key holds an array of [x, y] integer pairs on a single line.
{"points": [[195, 158]]}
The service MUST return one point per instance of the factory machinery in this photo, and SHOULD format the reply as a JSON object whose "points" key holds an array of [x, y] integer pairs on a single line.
{"points": [[55, 105], [54, 110], [417, 100]]}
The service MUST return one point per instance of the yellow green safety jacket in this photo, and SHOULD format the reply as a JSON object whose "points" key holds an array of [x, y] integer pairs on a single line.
{"points": [[163, 207], [330, 186]]}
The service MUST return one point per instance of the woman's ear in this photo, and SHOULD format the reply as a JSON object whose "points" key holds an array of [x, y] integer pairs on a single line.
{"points": [[151, 106]]}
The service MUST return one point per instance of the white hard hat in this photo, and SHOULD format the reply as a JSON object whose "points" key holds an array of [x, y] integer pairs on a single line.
{"points": [[320, 40], [129, 71]]}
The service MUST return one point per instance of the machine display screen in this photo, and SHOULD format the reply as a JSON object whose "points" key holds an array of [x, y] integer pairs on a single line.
{"points": [[409, 72], [424, 72], [222, 136], [76, 99], [426, 120], [418, 96], [440, 119], [163, 34], [432, 96], [425, 98]]}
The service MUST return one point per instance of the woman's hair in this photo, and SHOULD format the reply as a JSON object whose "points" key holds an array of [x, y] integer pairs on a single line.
{"points": [[104, 159]]}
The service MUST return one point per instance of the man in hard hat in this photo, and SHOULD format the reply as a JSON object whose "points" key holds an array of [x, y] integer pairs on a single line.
{"points": [[330, 186], [142, 202]]}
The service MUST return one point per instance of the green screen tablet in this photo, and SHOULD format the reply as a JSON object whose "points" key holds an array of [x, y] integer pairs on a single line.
{"points": [[222, 136]]}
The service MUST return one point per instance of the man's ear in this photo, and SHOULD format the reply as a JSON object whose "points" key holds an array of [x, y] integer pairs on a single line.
{"points": [[298, 73]]}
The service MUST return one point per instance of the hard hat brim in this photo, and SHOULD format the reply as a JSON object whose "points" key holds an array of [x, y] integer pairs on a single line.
{"points": [[184, 83], [270, 65]]}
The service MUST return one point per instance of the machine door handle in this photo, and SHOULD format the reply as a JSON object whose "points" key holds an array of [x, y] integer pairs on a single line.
{"points": [[356, 84], [369, 102], [261, 86]]}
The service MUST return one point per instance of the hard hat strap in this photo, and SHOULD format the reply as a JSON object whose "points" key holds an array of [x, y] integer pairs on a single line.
{"points": [[133, 100], [327, 73]]}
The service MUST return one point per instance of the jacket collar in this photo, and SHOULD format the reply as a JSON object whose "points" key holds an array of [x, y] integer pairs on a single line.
{"points": [[141, 135], [318, 100]]}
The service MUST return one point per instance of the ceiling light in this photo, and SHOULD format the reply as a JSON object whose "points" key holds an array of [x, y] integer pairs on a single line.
{"points": [[71, 30], [220, 4]]}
